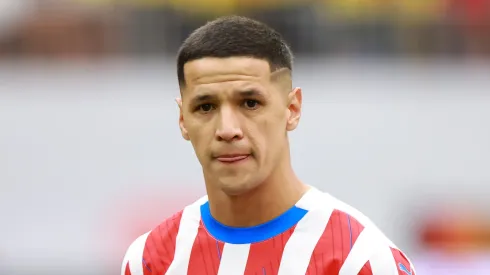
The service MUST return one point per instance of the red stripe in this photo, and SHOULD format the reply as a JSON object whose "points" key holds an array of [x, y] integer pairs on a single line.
{"points": [[401, 259], [160, 246], [335, 244], [265, 257], [205, 254], [127, 271], [366, 270]]}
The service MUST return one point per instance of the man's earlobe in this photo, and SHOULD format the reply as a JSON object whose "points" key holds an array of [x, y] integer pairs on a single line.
{"points": [[183, 130]]}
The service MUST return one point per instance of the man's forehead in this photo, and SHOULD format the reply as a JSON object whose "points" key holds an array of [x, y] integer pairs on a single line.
{"points": [[246, 66], [226, 89], [218, 67], [218, 74]]}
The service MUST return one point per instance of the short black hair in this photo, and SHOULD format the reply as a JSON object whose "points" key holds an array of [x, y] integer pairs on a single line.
{"points": [[232, 36]]}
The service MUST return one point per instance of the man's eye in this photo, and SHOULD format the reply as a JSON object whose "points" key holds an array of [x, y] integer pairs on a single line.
{"points": [[205, 108], [251, 104]]}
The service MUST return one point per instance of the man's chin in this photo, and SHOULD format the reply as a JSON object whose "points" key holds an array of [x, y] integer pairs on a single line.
{"points": [[236, 187]]}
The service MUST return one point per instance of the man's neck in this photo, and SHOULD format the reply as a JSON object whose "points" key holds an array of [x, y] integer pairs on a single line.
{"points": [[264, 203]]}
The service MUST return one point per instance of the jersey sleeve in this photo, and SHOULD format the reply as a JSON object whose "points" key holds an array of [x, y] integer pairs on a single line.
{"points": [[133, 259], [384, 263], [374, 254]]}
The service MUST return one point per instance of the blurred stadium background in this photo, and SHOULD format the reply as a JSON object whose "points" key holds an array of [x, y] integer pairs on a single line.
{"points": [[396, 122]]}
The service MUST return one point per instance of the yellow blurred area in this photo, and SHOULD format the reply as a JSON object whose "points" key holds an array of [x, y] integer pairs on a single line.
{"points": [[224, 7], [420, 10], [412, 10], [203, 7], [356, 9], [209, 7], [346, 9]]}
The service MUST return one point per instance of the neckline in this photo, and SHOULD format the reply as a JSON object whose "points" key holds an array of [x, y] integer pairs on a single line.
{"points": [[253, 234]]}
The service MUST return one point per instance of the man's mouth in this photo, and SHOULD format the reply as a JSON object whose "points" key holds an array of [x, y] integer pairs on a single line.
{"points": [[232, 158]]}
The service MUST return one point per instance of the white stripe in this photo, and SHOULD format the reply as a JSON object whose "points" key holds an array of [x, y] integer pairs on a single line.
{"points": [[383, 262], [188, 228], [370, 246], [365, 246], [234, 259], [356, 214], [299, 248], [134, 256], [312, 199]]}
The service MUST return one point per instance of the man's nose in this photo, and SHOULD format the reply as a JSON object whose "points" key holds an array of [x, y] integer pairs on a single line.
{"points": [[229, 127]]}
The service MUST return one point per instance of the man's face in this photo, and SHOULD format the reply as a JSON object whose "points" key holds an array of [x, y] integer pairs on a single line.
{"points": [[236, 113]]}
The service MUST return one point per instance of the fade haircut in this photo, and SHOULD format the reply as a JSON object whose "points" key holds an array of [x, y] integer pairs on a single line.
{"points": [[232, 36]]}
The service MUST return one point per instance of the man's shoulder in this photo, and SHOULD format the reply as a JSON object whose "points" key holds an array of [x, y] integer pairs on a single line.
{"points": [[359, 245], [169, 227], [346, 216], [161, 240]]}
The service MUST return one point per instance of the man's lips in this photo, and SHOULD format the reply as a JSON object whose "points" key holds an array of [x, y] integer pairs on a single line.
{"points": [[232, 157]]}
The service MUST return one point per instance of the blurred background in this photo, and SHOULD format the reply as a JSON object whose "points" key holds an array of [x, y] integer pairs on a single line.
{"points": [[396, 123]]}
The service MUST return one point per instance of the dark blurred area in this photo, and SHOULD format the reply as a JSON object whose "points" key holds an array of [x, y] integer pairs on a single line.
{"points": [[91, 28]]}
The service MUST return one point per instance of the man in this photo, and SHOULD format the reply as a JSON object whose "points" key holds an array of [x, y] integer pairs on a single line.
{"points": [[237, 106]]}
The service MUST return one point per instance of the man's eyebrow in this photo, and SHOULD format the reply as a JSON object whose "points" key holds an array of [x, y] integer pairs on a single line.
{"points": [[250, 93], [202, 98]]}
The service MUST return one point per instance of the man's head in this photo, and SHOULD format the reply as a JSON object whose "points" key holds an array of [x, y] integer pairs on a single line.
{"points": [[237, 101]]}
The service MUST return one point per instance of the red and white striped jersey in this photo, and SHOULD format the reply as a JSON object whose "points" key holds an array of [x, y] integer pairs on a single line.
{"points": [[319, 235]]}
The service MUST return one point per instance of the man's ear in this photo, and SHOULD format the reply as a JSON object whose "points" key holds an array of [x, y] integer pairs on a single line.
{"points": [[295, 100], [183, 130]]}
